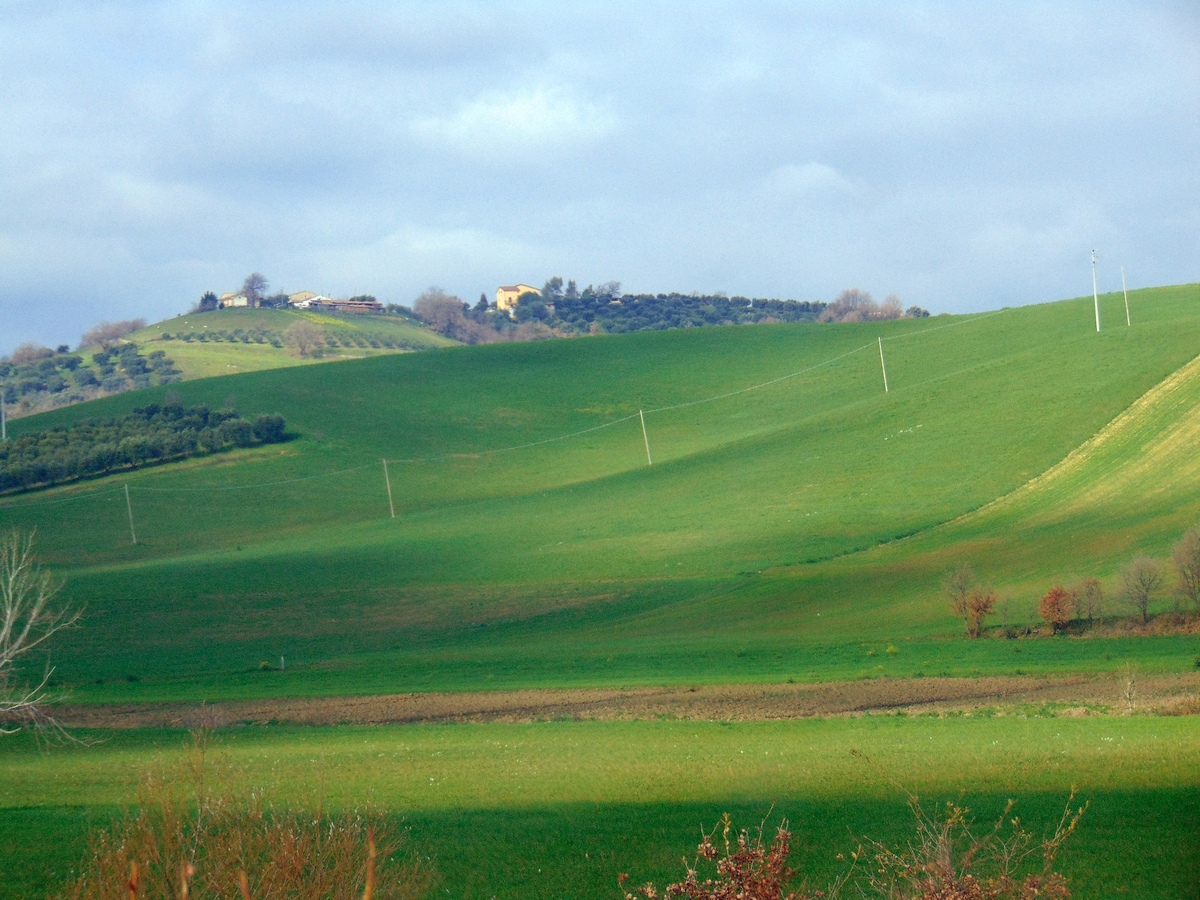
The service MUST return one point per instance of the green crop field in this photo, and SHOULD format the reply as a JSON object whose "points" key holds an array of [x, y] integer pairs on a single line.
{"points": [[777, 530], [794, 525]]}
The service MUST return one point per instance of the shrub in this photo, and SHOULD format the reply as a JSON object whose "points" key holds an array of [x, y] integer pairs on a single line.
{"points": [[943, 860], [747, 870], [188, 838]]}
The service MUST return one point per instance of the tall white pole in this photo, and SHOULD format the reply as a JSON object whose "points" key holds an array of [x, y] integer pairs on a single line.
{"points": [[1126, 293], [129, 509], [1095, 293], [645, 437], [883, 366], [388, 481]]}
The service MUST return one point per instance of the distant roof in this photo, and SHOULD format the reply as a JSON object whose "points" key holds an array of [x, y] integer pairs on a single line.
{"points": [[517, 287]]}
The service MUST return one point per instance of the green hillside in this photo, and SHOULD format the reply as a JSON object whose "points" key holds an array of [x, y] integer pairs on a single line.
{"points": [[793, 527], [234, 341]]}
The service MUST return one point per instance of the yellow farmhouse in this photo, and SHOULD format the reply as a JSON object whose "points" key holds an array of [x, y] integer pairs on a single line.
{"points": [[506, 295]]}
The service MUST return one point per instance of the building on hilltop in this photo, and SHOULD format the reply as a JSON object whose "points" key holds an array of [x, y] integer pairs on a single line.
{"points": [[357, 305], [309, 300], [304, 299], [508, 295], [229, 301]]}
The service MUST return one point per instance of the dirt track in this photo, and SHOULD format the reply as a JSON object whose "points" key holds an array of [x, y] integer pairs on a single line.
{"points": [[1073, 695]]}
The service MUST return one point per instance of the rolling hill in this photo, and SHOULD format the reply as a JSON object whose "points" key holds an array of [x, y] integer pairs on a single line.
{"points": [[795, 522], [232, 341]]}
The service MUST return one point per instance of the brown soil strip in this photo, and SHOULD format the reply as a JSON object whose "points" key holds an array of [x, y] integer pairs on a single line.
{"points": [[1068, 695]]}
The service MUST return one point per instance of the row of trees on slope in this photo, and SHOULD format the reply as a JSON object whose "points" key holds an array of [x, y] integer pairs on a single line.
{"points": [[1141, 582], [560, 311], [149, 435], [36, 378]]}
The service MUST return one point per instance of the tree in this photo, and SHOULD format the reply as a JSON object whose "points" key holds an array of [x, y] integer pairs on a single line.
{"points": [[1057, 608], [851, 305], [30, 614], [269, 429], [302, 336], [208, 302], [1089, 598], [440, 310], [970, 603], [531, 307], [105, 334], [29, 353], [1141, 581], [254, 287], [956, 586], [552, 290], [1185, 557], [891, 308]]}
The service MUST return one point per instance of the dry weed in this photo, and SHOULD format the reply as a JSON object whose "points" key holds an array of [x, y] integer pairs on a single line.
{"points": [[190, 838]]}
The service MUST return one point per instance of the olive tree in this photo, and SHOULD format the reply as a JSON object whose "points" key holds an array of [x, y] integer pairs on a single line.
{"points": [[31, 612]]}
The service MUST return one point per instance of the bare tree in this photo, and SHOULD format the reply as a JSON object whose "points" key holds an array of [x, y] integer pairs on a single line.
{"points": [[851, 305], [105, 333], [891, 308], [1089, 598], [970, 603], [30, 614], [441, 310], [303, 336], [29, 353], [1185, 556], [255, 287], [448, 315], [956, 587], [1141, 581]]}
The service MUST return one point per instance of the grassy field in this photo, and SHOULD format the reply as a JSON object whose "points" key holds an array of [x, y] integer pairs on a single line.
{"points": [[778, 532], [793, 526], [560, 808], [247, 336]]}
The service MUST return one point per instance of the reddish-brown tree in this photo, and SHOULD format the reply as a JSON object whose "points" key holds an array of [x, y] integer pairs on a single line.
{"points": [[980, 605], [1057, 608]]}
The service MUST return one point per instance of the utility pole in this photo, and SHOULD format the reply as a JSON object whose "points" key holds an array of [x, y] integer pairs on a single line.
{"points": [[1095, 293], [645, 437], [883, 366], [388, 481], [1126, 293], [129, 509]]}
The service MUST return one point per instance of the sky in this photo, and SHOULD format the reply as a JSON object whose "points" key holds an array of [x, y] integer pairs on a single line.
{"points": [[961, 156]]}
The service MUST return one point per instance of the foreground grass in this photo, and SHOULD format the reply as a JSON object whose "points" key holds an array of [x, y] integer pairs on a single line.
{"points": [[494, 804]]}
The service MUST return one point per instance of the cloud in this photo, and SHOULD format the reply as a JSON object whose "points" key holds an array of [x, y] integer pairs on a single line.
{"points": [[461, 259], [515, 124], [807, 179]]}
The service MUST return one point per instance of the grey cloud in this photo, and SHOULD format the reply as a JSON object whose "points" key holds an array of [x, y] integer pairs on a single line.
{"points": [[961, 155]]}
